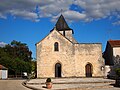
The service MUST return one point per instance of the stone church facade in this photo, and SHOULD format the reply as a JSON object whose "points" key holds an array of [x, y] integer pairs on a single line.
{"points": [[60, 55]]}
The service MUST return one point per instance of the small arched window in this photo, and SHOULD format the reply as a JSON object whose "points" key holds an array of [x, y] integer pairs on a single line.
{"points": [[56, 46]]}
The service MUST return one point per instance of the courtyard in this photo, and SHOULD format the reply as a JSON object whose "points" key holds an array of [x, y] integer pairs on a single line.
{"points": [[74, 84], [12, 84], [59, 84]]}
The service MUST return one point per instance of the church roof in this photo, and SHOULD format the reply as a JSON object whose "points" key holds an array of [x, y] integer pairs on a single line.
{"points": [[62, 25], [114, 43]]}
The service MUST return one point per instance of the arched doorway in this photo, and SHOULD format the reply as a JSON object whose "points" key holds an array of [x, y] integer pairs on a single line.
{"points": [[57, 70], [88, 69]]}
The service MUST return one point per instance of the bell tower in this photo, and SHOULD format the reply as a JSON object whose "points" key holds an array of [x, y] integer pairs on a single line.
{"points": [[64, 29], [62, 26]]}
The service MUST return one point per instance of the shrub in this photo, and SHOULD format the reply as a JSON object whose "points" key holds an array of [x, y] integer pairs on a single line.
{"points": [[117, 70]]}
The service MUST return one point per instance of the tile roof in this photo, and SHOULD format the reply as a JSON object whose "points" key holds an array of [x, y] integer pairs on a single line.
{"points": [[2, 67], [114, 43]]}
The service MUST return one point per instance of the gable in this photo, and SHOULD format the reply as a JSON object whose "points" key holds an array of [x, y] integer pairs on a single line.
{"points": [[54, 34], [47, 45]]}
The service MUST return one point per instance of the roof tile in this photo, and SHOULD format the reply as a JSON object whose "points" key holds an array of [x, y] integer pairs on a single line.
{"points": [[114, 43]]}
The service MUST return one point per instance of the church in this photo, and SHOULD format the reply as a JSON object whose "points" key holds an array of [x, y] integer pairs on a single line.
{"points": [[60, 55]]}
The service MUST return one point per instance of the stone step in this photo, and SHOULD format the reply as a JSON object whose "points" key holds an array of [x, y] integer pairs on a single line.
{"points": [[73, 82], [73, 86]]}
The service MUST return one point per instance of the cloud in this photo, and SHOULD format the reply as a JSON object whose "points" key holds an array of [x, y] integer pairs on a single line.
{"points": [[71, 15], [25, 14], [116, 23], [54, 8], [2, 44], [19, 8], [74, 15], [99, 9], [2, 16], [84, 10]]}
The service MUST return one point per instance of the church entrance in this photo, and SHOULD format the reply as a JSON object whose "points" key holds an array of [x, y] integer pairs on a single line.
{"points": [[88, 68], [57, 70]]}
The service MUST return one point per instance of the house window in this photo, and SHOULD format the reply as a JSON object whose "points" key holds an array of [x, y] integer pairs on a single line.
{"points": [[56, 46]]}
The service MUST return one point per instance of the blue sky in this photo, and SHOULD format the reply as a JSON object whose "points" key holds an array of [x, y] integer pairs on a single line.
{"points": [[29, 21]]}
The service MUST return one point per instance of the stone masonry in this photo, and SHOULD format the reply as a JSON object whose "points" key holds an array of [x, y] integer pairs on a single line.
{"points": [[76, 59]]}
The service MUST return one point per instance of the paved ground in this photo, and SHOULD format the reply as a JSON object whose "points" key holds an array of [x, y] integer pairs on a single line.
{"points": [[74, 84], [12, 85]]}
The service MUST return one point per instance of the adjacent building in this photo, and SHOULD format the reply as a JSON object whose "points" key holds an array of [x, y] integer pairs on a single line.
{"points": [[112, 52], [3, 72], [60, 55], [112, 57]]}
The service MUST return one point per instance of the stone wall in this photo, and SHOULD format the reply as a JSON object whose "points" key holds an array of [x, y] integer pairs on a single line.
{"points": [[116, 56], [88, 53], [47, 57], [116, 51], [72, 57], [68, 35]]}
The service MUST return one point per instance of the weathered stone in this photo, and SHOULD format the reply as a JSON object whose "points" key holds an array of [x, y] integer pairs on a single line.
{"points": [[72, 56], [60, 55]]}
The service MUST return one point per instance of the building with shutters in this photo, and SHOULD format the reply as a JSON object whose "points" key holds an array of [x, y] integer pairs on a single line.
{"points": [[60, 55]]}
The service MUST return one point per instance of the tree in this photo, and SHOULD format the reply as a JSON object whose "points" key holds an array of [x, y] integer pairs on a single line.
{"points": [[16, 56]]}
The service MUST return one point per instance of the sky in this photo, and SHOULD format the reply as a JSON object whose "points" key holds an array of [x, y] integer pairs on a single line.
{"points": [[29, 21]]}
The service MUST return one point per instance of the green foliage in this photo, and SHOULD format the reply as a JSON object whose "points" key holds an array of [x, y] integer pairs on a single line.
{"points": [[16, 57], [34, 66], [48, 80], [117, 70]]}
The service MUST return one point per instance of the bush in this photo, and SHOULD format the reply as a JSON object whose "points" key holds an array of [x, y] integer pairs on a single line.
{"points": [[117, 70]]}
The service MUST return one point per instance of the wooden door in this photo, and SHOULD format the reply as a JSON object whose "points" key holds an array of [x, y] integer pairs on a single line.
{"points": [[58, 70], [88, 70]]}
